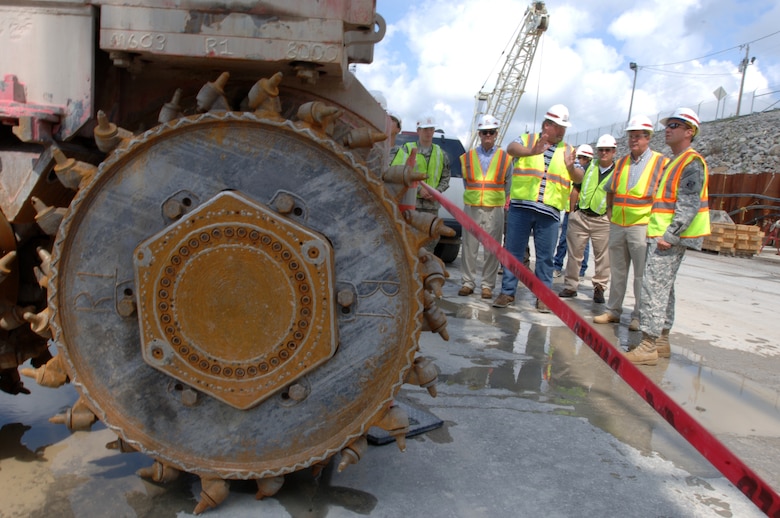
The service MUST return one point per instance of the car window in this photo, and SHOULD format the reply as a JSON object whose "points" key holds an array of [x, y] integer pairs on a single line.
{"points": [[451, 146]]}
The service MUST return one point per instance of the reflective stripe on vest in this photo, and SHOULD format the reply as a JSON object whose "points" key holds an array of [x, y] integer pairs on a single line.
{"points": [[666, 197], [484, 189], [529, 171], [633, 207], [432, 168], [592, 194]]}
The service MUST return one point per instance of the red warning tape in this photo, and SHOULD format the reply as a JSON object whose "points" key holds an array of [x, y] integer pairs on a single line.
{"points": [[759, 492]]}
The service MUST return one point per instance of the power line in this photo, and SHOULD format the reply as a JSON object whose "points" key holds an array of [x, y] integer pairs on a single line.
{"points": [[684, 73], [713, 53]]}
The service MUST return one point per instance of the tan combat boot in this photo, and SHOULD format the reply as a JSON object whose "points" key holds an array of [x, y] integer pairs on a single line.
{"points": [[662, 345], [645, 353]]}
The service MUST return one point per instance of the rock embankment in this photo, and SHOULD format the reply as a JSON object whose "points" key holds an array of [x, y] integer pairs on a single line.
{"points": [[749, 144]]}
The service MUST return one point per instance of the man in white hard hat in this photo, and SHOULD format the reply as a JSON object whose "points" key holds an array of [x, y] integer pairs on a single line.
{"points": [[544, 169], [395, 129], [679, 220], [584, 156], [590, 221], [432, 161], [629, 200], [487, 172]]}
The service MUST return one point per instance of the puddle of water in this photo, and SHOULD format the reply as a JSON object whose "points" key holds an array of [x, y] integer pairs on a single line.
{"points": [[722, 402], [552, 365]]}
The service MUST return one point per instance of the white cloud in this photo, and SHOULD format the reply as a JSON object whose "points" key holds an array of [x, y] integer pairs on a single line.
{"points": [[437, 55]]}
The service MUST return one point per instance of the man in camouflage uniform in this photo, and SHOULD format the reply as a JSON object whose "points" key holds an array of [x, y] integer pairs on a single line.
{"points": [[679, 220]]}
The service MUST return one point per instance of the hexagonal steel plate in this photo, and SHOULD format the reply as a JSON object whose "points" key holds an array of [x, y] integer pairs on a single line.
{"points": [[236, 300]]}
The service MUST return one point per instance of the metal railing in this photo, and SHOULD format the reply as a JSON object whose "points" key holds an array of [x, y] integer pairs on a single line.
{"points": [[752, 102]]}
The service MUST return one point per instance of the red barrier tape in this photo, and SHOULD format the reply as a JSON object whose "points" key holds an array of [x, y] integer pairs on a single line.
{"points": [[758, 491]]}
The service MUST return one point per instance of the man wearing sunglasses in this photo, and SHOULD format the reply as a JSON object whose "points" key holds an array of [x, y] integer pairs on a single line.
{"points": [[679, 220], [487, 171], [589, 221], [629, 201], [542, 177]]}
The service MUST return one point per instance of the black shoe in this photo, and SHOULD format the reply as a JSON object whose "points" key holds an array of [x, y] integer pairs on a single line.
{"points": [[567, 293], [598, 295]]}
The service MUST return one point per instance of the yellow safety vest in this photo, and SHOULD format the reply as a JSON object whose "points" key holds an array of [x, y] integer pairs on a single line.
{"points": [[432, 168], [666, 197], [484, 189], [633, 207], [592, 193], [529, 171]]}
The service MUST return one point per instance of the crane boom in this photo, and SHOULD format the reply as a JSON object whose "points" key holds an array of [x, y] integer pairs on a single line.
{"points": [[510, 85]]}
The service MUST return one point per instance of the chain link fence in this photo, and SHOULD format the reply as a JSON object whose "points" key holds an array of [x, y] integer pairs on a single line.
{"points": [[752, 102]]}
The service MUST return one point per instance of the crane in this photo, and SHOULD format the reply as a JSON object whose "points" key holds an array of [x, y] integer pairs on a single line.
{"points": [[502, 101]]}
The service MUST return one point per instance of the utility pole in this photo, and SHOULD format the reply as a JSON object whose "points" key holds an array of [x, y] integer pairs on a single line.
{"points": [[743, 68], [633, 67]]}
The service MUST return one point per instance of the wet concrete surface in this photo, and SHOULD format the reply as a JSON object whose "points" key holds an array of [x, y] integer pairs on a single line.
{"points": [[535, 424]]}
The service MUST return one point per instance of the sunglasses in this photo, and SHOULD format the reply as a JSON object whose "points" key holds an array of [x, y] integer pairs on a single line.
{"points": [[487, 132], [605, 149], [675, 125]]}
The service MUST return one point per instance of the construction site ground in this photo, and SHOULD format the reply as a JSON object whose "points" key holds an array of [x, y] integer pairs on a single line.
{"points": [[534, 423]]}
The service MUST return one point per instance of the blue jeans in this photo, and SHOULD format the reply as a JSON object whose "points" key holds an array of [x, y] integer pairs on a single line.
{"points": [[560, 252], [521, 223]]}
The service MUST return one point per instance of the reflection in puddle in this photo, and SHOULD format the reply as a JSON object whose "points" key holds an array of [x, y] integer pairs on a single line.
{"points": [[551, 365]]}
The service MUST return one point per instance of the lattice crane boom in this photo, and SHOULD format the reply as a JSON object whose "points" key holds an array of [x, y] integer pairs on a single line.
{"points": [[502, 101]]}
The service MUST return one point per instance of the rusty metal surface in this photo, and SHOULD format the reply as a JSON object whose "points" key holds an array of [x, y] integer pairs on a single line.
{"points": [[334, 196], [758, 202], [236, 300]]}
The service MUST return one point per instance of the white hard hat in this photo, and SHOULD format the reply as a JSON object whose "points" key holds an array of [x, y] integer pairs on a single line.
{"points": [[426, 121], [585, 150], [686, 115], [395, 116], [606, 140], [488, 122], [559, 114], [380, 98], [640, 123]]}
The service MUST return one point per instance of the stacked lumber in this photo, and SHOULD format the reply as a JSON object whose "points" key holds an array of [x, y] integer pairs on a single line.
{"points": [[732, 239], [749, 239], [722, 238]]}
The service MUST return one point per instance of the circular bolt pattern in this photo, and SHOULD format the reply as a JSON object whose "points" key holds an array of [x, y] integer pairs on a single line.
{"points": [[242, 306]]}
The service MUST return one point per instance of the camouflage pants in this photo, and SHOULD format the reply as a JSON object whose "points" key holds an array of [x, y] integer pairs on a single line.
{"points": [[656, 311]]}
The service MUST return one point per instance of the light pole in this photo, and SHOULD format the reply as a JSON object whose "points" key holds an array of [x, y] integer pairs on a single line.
{"points": [[633, 67]]}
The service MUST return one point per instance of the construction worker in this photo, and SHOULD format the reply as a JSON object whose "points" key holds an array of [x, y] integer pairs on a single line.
{"points": [[487, 172], [544, 170], [584, 156], [679, 220], [432, 161], [629, 201], [395, 129], [589, 221]]}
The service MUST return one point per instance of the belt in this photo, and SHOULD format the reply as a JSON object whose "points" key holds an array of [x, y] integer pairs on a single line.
{"points": [[591, 213]]}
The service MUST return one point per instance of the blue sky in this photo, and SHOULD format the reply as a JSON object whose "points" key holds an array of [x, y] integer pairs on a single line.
{"points": [[436, 56]]}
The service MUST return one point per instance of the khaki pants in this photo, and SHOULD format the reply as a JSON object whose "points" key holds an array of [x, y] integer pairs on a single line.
{"points": [[581, 228], [491, 220], [627, 247]]}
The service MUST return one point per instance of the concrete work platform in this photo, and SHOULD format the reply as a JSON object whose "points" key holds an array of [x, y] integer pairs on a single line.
{"points": [[534, 423]]}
